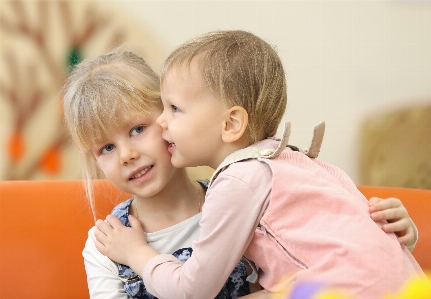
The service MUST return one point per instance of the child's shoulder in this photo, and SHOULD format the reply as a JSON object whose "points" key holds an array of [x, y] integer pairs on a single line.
{"points": [[204, 183], [121, 211], [248, 172]]}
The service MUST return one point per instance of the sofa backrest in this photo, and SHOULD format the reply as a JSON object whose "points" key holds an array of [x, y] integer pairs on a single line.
{"points": [[43, 229], [44, 225]]}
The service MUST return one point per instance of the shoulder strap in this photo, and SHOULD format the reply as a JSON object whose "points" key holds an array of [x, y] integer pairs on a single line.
{"points": [[316, 142], [254, 152]]}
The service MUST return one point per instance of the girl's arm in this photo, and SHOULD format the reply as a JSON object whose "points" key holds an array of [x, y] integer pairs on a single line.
{"points": [[393, 211], [102, 273]]}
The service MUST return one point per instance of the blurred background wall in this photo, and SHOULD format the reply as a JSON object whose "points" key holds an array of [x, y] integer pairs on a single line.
{"points": [[362, 66]]}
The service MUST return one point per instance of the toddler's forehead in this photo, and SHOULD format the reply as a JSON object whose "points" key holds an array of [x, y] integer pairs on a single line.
{"points": [[175, 73], [183, 69]]}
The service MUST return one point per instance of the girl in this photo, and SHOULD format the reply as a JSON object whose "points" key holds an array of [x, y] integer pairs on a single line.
{"points": [[110, 107], [111, 104]]}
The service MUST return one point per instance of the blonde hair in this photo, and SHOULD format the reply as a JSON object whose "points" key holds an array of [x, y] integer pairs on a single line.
{"points": [[97, 97], [243, 70]]}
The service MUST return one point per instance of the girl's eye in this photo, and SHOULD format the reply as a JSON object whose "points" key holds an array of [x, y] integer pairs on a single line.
{"points": [[175, 108], [137, 130], [107, 148]]}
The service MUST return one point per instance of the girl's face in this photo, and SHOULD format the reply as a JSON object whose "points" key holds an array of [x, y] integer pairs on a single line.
{"points": [[134, 156]]}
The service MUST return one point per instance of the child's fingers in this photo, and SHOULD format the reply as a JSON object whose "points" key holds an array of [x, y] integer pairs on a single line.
{"points": [[374, 200], [113, 221], [377, 216], [390, 215], [100, 247], [384, 215], [378, 204], [392, 202], [100, 236], [406, 238], [399, 226], [103, 226], [134, 222], [98, 222]]}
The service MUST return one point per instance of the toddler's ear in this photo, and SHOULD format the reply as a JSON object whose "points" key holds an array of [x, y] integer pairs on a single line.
{"points": [[235, 125]]}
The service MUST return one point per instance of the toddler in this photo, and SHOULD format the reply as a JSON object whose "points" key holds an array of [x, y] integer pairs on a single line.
{"points": [[295, 217]]}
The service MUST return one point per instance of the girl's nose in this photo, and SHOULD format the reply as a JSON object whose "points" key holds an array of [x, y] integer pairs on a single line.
{"points": [[128, 154]]}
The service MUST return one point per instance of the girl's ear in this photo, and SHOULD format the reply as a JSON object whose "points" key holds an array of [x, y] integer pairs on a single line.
{"points": [[235, 125]]}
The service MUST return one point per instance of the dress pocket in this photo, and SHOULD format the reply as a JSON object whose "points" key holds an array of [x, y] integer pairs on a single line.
{"points": [[275, 261]]}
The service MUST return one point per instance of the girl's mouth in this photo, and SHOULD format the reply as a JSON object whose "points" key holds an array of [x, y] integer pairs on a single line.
{"points": [[140, 173]]}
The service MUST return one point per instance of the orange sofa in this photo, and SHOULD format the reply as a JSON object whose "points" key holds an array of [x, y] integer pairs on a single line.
{"points": [[44, 224], [43, 228]]}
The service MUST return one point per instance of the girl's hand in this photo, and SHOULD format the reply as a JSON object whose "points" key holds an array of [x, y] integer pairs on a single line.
{"points": [[393, 211], [124, 245]]}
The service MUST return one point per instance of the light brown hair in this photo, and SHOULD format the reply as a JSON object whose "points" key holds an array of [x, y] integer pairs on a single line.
{"points": [[243, 70], [97, 97]]}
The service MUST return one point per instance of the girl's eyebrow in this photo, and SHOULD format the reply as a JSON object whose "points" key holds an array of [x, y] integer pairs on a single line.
{"points": [[137, 119], [99, 142], [126, 122]]}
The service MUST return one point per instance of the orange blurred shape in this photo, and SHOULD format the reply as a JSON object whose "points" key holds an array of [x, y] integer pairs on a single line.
{"points": [[50, 162], [16, 146]]}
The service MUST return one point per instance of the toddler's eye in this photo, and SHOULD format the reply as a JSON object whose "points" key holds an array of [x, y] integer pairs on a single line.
{"points": [[137, 130], [107, 148], [175, 108]]}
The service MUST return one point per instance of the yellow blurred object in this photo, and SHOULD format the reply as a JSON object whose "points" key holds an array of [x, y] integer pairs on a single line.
{"points": [[331, 295], [415, 288], [282, 289]]}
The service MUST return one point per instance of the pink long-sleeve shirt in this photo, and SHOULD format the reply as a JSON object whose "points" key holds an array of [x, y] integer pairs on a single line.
{"points": [[234, 206]]}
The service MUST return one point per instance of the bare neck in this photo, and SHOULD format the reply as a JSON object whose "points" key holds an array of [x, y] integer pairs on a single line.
{"points": [[178, 201]]}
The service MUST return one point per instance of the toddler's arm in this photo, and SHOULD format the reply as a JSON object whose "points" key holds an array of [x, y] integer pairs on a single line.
{"points": [[399, 222], [125, 245]]}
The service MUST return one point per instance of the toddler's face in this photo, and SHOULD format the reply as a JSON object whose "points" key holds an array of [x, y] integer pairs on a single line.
{"points": [[192, 119]]}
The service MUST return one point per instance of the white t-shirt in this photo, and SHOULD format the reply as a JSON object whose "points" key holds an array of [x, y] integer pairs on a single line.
{"points": [[102, 273]]}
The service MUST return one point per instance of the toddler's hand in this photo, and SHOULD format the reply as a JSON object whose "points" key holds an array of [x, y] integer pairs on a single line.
{"points": [[393, 211], [118, 242]]}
